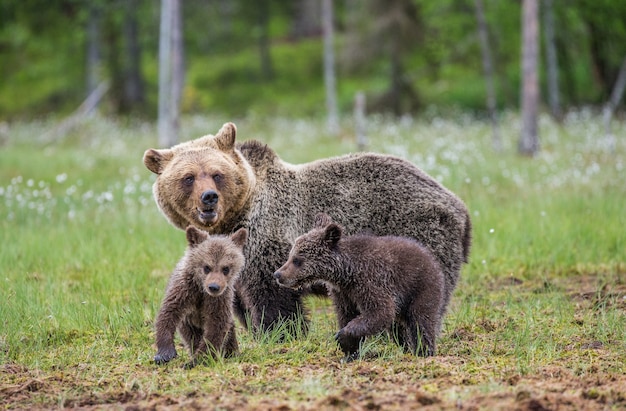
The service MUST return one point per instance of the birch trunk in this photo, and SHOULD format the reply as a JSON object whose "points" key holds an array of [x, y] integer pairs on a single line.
{"points": [[329, 67], [611, 105], [170, 72], [94, 53], [165, 127], [529, 139]]}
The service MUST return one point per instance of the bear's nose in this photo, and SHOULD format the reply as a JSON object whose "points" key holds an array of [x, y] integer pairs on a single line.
{"points": [[209, 197], [213, 287], [277, 275]]}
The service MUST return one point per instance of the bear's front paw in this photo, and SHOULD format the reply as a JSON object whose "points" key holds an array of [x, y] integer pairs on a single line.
{"points": [[165, 355], [348, 344]]}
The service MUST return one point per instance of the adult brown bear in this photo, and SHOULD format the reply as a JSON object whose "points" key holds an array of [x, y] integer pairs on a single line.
{"points": [[219, 186]]}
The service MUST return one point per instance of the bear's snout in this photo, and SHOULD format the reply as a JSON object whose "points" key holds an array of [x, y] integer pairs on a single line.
{"points": [[213, 288], [284, 280], [209, 198]]}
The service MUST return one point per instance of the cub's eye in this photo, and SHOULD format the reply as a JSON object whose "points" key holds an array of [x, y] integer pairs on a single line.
{"points": [[206, 269], [225, 270], [188, 180], [218, 178], [297, 262]]}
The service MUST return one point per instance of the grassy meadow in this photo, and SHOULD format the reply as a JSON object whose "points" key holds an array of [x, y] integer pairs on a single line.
{"points": [[538, 318]]}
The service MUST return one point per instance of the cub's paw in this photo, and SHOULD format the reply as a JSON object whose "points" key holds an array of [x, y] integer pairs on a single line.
{"points": [[165, 355], [348, 344]]}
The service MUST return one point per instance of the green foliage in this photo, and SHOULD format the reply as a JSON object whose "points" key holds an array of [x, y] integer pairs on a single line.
{"points": [[42, 62], [235, 85]]}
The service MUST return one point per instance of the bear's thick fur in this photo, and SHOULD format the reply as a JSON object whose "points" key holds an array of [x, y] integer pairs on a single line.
{"points": [[376, 284], [218, 186], [199, 297]]}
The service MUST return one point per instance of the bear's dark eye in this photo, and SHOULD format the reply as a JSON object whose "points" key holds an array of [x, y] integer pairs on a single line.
{"points": [[225, 270], [218, 178], [188, 180], [297, 262], [206, 269]]}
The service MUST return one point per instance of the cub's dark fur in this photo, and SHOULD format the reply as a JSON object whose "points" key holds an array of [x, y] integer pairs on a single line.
{"points": [[376, 283]]}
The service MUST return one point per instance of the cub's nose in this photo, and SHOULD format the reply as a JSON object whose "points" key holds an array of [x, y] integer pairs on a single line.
{"points": [[209, 197], [213, 288]]}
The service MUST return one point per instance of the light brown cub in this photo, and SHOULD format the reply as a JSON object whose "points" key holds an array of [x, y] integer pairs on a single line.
{"points": [[199, 298]]}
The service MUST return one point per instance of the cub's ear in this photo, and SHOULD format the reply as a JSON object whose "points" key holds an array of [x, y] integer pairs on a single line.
{"points": [[239, 237], [332, 234], [322, 220], [195, 236], [225, 138], [156, 160]]}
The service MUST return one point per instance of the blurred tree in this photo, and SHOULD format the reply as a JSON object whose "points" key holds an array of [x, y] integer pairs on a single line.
{"points": [[329, 67], [609, 107], [170, 72], [551, 61], [263, 38], [483, 35], [94, 52], [122, 51], [134, 94], [307, 19], [392, 33], [529, 139], [605, 21]]}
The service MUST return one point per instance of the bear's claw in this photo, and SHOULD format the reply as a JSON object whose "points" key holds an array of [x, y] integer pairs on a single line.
{"points": [[165, 356]]}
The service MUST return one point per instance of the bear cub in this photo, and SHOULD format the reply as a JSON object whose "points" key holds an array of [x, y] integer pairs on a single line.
{"points": [[199, 298], [376, 284]]}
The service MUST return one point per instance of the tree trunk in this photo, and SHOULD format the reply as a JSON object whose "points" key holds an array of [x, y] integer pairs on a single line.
{"points": [[306, 21], [115, 63], [529, 139], [267, 71], [552, 61], [329, 67], [94, 53], [485, 47], [168, 108], [134, 84], [611, 105], [178, 71]]}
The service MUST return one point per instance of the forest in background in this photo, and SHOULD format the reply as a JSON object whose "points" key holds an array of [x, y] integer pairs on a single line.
{"points": [[265, 57]]}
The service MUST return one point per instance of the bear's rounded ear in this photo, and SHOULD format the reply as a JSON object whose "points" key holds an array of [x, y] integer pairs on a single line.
{"points": [[332, 234], [322, 220], [225, 138], [239, 237], [195, 236], [156, 160]]}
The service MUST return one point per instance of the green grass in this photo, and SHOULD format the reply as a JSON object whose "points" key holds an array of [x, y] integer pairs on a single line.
{"points": [[86, 256]]}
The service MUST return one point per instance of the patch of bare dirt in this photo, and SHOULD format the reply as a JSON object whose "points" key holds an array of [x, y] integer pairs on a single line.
{"points": [[372, 388]]}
